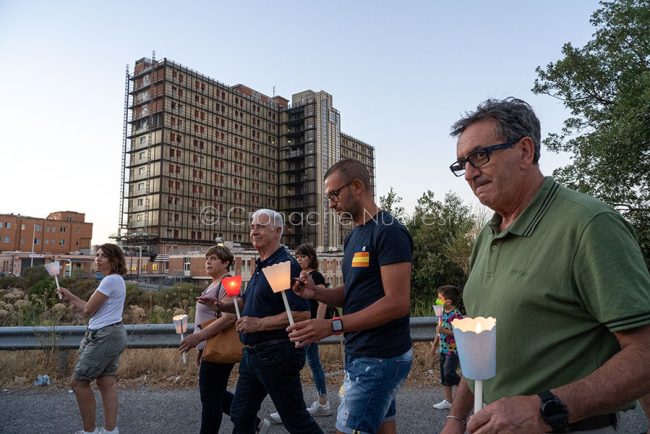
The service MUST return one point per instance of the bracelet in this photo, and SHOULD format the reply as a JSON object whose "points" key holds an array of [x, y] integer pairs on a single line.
{"points": [[459, 419]]}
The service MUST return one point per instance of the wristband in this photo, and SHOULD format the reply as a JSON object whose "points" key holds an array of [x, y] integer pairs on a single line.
{"points": [[459, 419]]}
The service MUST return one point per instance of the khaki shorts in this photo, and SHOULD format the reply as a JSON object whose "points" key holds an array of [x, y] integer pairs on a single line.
{"points": [[99, 352]]}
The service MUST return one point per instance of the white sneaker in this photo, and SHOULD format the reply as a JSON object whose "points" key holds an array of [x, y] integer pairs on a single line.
{"points": [[318, 409], [275, 417], [442, 405], [103, 431], [264, 426]]}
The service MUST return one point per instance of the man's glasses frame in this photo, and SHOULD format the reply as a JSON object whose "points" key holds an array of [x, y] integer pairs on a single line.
{"points": [[479, 157], [334, 194]]}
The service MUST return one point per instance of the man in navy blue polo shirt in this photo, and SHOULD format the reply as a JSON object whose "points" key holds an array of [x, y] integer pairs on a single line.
{"points": [[375, 299], [270, 363]]}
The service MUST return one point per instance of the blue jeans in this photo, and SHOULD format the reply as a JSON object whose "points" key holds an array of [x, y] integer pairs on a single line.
{"points": [[370, 387], [271, 368], [313, 360]]}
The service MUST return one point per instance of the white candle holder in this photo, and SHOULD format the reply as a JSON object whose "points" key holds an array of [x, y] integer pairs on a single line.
{"points": [[54, 269], [279, 277], [180, 322], [476, 339], [438, 309]]}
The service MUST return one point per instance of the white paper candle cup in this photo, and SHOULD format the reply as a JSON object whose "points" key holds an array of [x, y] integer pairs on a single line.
{"points": [[53, 268], [180, 323], [476, 350], [278, 276]]}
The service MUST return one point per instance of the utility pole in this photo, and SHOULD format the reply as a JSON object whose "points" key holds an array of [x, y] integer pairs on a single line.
{"points": [[31, 260], [139, 261]]}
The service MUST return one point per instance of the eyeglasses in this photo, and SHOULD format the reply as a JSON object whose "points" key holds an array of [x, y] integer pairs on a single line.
{"points": [[334, 194], [478, 158]]}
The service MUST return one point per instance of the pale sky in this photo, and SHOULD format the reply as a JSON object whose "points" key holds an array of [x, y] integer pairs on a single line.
{"points": [[400, 72]]}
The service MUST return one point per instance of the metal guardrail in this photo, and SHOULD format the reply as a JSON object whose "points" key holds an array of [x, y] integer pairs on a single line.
{"points": [[143, 335]]}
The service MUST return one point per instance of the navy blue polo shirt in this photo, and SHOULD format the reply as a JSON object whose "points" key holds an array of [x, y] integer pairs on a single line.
{"points": [[382, 240], [260, 300]]}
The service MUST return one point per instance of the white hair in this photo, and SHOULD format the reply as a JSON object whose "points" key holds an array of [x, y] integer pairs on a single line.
{"points": [[275, 218]]}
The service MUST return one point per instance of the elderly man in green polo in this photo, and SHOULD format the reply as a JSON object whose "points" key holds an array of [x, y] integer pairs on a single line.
{"points": [[563, 275]]}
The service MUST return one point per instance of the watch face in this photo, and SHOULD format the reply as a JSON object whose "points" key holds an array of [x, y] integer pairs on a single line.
{"points": [[555, 413], [337, 325]]}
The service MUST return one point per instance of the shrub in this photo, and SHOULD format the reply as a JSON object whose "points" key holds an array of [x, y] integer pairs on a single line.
{"points": [[8, 282]]}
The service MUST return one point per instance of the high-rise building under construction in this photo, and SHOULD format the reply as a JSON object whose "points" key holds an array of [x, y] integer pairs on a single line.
{"points": [[199, 156]]}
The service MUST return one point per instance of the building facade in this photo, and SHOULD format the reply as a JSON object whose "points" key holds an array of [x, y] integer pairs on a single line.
{"points": [[199, 156], [29, 241], [191, 266], [59, 232]]}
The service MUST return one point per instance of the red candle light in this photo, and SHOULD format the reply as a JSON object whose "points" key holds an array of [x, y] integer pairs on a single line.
{"points": [[232, 285]]}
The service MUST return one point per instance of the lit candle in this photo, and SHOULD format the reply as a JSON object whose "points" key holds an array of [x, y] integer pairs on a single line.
{"points": [[279, 277], [233, 288], [476, 339], [180, 322]]}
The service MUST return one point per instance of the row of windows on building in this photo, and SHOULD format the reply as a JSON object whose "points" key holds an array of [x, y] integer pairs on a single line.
{"points": [[256, 148], [175, 184], [198, 204], [200, 85], [37, 228], [37, 241], [177, 169], [214, 135], [200, 236], [227, 118], [200, 115]]}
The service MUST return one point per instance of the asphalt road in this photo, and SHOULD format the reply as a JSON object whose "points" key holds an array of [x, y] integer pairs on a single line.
{"points": [[44, 410]]}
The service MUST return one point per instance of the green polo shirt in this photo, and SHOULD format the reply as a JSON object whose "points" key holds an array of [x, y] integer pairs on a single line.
{"points": [[566, 274]]}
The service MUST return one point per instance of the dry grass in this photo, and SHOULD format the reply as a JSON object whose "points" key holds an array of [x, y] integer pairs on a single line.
{"points": [[163, 368]]}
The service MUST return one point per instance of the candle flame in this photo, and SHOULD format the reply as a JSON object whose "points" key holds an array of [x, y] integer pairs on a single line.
{"points": [[232, 285]]}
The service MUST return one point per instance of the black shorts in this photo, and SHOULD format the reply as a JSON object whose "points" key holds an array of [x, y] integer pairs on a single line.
{"points": [[448, 369]]}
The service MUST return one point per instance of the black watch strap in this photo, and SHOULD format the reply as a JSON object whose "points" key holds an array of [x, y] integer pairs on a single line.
{"points": [[554, 412]]}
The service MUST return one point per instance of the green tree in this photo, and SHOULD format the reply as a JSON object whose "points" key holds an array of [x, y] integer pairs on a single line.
{"points": [[606, 87], [390, 202], [442, 238]]}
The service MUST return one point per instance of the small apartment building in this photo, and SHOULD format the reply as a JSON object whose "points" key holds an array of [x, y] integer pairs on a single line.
{"points": [[60, 232]]}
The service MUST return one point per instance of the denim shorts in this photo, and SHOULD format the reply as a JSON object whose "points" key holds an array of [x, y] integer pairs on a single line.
{"points": [[368, 392], [99, 352]]}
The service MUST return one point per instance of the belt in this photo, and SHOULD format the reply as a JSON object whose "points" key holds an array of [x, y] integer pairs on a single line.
{"points": [[265, 344], [110, 325], [594, 422]]}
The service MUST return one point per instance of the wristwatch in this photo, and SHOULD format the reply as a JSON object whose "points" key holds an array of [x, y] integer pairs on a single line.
{"points": [[554, 412], [337, 325]]}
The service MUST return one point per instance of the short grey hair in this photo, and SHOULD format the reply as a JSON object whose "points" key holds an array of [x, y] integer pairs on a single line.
{"points": [[514, 117], [275, 218]]}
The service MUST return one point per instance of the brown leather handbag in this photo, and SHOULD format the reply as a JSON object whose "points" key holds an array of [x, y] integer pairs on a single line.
{"points": [[224, 347]]}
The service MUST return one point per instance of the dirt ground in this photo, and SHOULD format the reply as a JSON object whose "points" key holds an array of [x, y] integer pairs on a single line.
{"points": [[164, 368]]}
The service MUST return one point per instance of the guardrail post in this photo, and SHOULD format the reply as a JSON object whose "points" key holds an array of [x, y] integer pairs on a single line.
{"points": [[62, 355]]}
